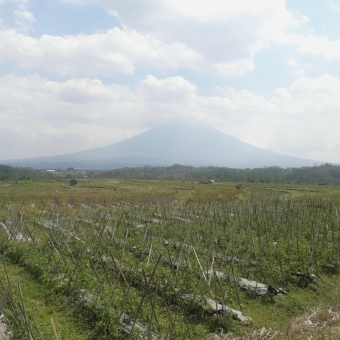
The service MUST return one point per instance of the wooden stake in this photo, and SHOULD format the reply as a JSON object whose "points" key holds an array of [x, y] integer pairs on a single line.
{"points": [[199, 264], [24, 313], [121, 272], [54, 330], [4, 297], [150, 251], [211, 270], [153, 309]]}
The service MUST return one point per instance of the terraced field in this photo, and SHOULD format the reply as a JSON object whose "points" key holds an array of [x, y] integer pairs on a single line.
{"points": [[168, 260]]}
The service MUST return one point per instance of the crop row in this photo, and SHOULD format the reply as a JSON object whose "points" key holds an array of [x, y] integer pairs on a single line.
{"points": [[172, 270]]}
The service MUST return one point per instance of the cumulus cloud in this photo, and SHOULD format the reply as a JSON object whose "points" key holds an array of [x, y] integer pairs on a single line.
{"points": [[166, 13], [309, 116], [312, 44], [234, 68], [167, 90], [212, 37], [115, 51], [24, 20], [226, 34], [42, 117]]}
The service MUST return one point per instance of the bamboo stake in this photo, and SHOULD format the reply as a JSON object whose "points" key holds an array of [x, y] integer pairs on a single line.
{"points": [[143, 297], [153, 309], [199, 264], [113, 290], [126, 236], [121, 272], [211, 270], [30, 335], [4, 297], [54, 330], [150, 251]]}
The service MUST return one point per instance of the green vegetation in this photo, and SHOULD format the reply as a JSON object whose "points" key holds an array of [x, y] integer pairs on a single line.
{"points": [[96, 255], [10, 173], [323, 174], [42, 305]]}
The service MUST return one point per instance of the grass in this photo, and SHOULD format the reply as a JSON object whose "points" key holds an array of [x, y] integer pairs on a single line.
{"points": [[41, 306]]}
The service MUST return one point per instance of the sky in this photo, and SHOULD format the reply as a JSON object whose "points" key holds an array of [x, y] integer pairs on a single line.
{"points": [[81, 74]]}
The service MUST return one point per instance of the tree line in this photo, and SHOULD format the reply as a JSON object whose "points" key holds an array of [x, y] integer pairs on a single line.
{"points": [[11, 173], [321, 174]]}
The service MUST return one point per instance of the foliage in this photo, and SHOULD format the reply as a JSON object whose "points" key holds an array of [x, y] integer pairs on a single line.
{"points": [[322, 174], [109, 248], [10, 173]]}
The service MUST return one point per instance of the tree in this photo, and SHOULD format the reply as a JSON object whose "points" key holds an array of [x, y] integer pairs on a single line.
{"points": [[3, 177]]}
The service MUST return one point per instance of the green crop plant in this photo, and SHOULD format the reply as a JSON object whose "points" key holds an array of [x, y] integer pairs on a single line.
{"points": [[112, 249]]}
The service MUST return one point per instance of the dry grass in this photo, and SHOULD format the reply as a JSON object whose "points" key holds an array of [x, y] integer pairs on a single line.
{"points": [[320, 323], [317, 324]]}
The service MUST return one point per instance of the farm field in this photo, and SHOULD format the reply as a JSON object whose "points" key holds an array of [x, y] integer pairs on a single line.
{"points": [[117, 259]]}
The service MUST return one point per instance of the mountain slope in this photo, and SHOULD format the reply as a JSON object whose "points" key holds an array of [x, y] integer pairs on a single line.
{"points": [[186, 144]]}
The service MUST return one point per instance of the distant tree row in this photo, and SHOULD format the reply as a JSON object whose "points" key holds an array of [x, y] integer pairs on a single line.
{"points": [[10, 173], [322, 174]]}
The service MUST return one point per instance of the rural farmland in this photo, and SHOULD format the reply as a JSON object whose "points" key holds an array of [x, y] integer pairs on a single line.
{"points": [[118, 259], [169, 170]]}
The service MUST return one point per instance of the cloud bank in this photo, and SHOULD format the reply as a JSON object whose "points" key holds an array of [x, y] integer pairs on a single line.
{"points": [[82, 113], [170, 61]]}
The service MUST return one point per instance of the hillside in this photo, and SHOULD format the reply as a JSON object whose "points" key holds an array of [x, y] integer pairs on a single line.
{"points": [[186, 144]]}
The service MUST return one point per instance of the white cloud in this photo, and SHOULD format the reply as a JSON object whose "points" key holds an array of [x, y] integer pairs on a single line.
{"points": [[212, 37], [234, 68], [167, 90], [299, 69], [42, 117], [167, 11], [115, 51], [309, 118], [292, 62], [24, 20], [334, 5], [226, 34], [313, 44], [22, 17], [39, 116]]}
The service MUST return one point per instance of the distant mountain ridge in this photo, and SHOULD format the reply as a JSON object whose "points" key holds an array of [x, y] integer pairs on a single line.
{"points": [[185, 144]]}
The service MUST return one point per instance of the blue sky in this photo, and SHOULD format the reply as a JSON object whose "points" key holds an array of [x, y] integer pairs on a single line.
{"points": [[79, 74]]}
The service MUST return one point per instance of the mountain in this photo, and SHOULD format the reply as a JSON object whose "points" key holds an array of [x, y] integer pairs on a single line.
{"points": [[185, 144]]}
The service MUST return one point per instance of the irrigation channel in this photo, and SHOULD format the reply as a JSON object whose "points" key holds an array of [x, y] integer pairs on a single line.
{"points": [[165, 270]]}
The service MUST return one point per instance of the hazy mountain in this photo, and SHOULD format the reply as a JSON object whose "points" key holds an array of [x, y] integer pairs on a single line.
{"points": [[185, 144]]}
